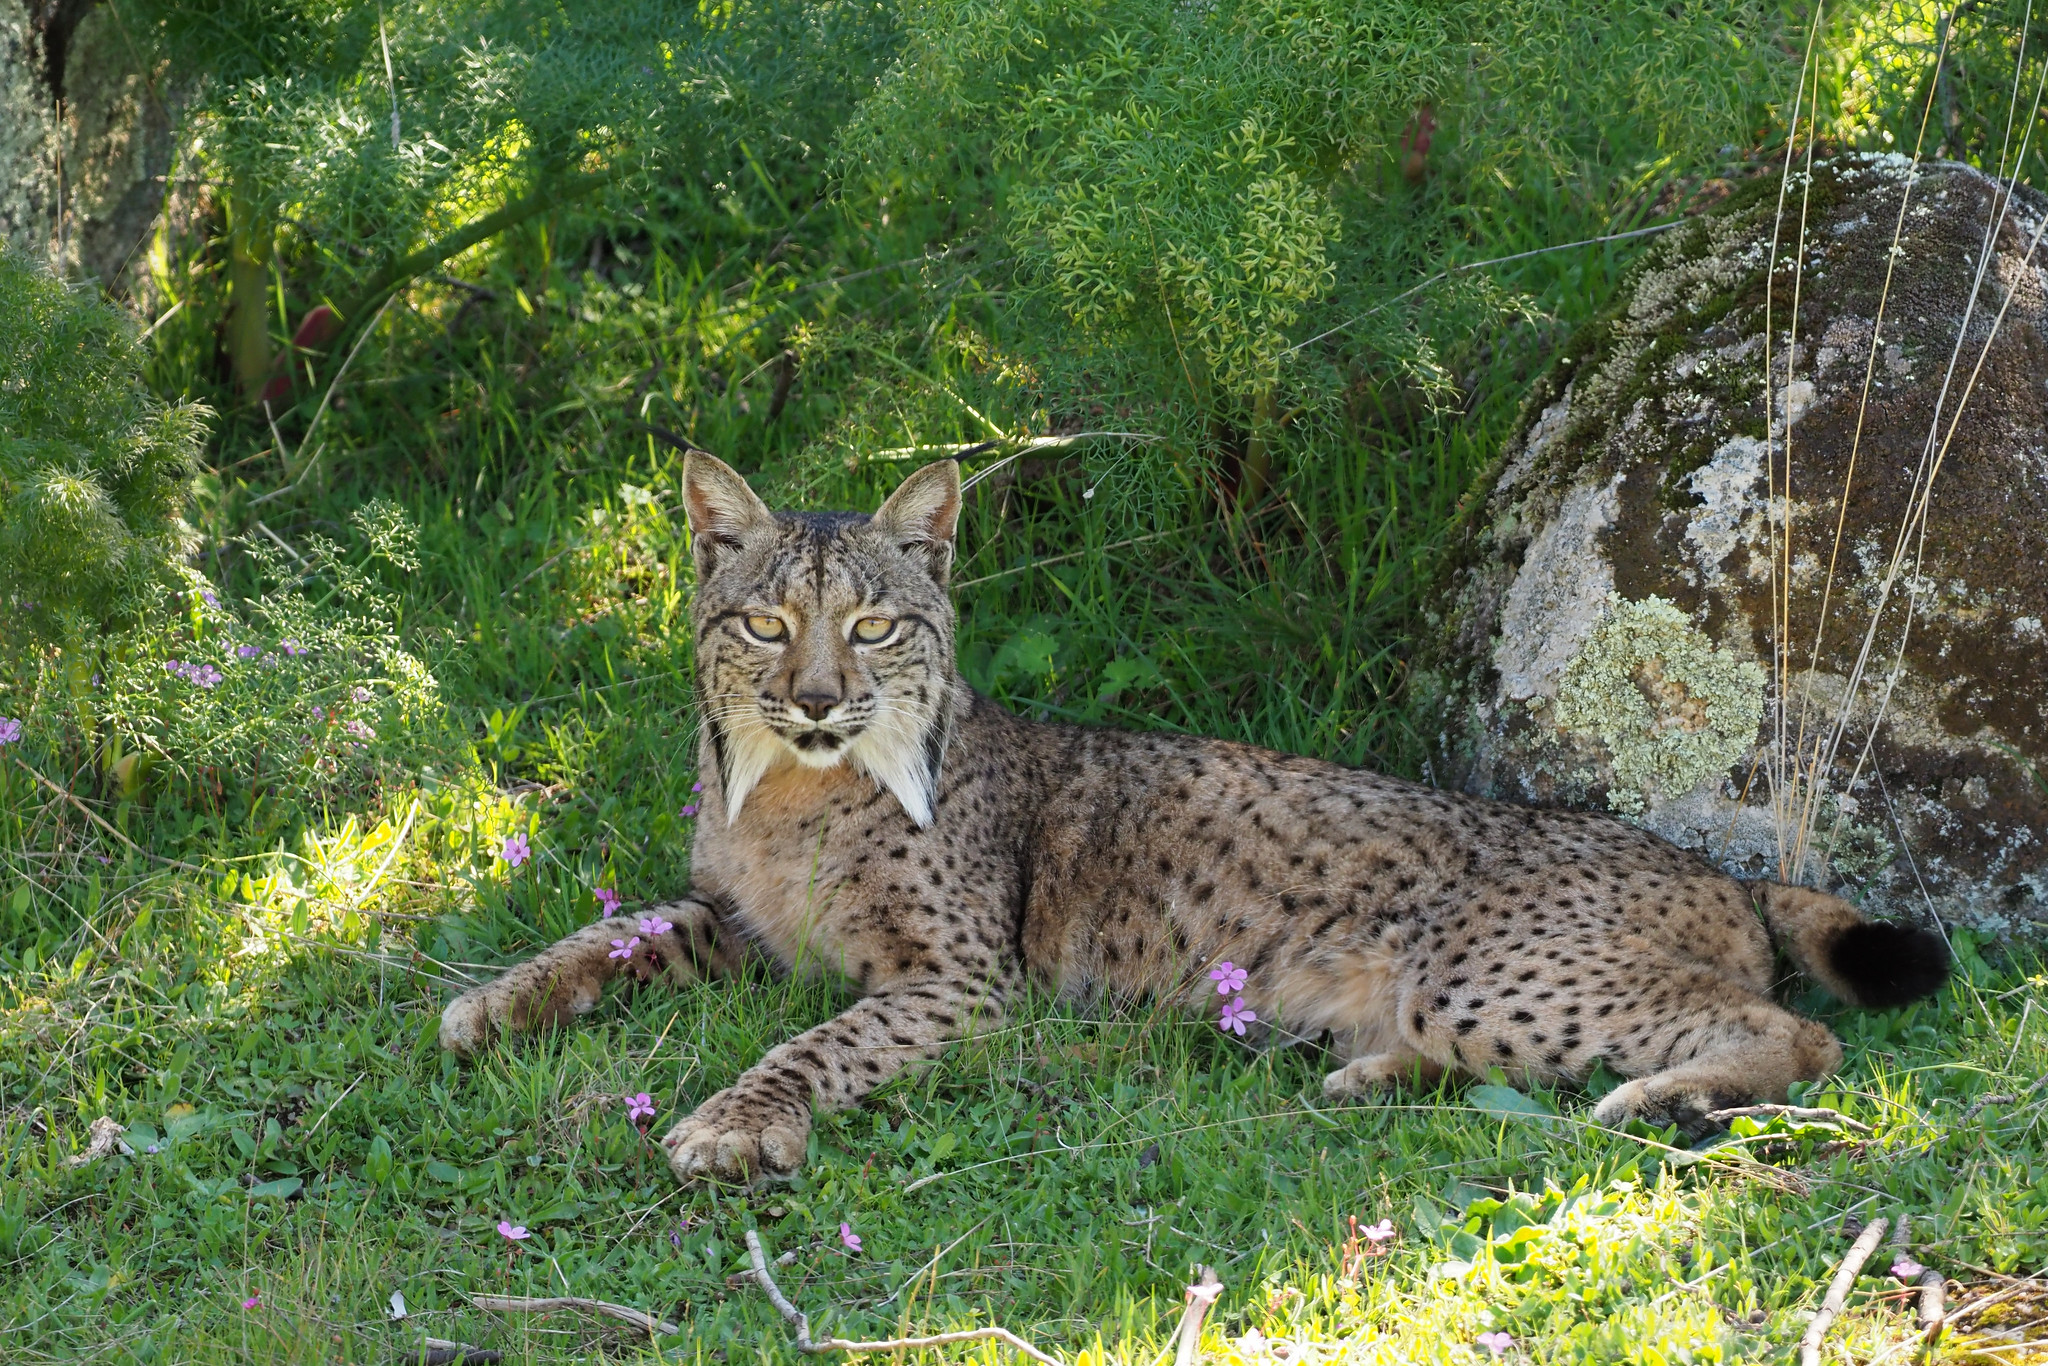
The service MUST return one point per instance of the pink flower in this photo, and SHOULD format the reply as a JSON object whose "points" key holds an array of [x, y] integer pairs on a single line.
{"points": [[639, 1107], [515, 850], [1378, 1233], [1906, 1269], [848, 1237], [1228, 977], [1236, 1016], [651, 925], [512, 1232], [608, 899], [250, 1303], [1496, 1343], [10, 730], [623, 948], [697, 787]]}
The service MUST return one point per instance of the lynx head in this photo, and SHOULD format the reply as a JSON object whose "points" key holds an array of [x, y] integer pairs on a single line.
{"points": [[824, 637]]}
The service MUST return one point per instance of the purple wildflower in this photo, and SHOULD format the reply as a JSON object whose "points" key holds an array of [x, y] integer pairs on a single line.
{"points": [[206, 596], [10, 730], [291, 647], [688, 811], [623, 948], [849, 1238], [1236, 1016], [639, 1107], [515, 850], [1906, 1269], [513, 1232], [361, 694], [608, 899], [651, 925], [248, 651], [250, 1303], [1496, 1343], [697, 786], [1228, 977]]}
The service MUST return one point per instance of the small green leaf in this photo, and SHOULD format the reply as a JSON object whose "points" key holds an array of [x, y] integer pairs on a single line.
{"points": [[282, 1189], [377, 1165], [1506, 1101], [441, 1171]]}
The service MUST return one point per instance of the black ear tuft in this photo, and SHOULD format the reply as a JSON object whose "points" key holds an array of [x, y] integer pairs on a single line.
{"points": [[1889, 964]]}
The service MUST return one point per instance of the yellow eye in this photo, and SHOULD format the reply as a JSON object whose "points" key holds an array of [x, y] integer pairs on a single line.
{"points": [[766, 628], [870, 630]]}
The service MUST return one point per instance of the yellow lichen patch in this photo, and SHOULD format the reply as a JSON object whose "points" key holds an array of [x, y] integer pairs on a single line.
{"points": [[1672, 709]]}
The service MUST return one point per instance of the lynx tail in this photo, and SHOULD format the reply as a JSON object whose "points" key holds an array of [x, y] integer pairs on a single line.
{"points": [[1874, 964]]}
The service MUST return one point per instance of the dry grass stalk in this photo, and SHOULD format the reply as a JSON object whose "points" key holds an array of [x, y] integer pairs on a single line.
{"points": [[801, 1321]]}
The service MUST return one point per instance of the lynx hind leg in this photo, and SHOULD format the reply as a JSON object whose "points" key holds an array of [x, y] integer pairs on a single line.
{"points": [[1749, 1051], [567, 978]]}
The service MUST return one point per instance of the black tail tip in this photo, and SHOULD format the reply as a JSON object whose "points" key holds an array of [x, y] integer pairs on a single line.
{"points": [[1889, 964]]}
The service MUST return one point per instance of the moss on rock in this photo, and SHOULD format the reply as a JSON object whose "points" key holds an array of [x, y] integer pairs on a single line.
{"points": [[1672, 710]]}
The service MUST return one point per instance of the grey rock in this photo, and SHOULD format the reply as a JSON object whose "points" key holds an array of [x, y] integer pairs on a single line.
{"points": [[1607, 633]]}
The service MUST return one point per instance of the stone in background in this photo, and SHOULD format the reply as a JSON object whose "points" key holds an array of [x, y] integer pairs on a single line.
{"points": [[87, 144], [1605, 634]]}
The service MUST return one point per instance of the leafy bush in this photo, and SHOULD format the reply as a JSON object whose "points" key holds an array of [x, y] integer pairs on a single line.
{"points": [[303, 693], [1189, 186], [93, 468]]}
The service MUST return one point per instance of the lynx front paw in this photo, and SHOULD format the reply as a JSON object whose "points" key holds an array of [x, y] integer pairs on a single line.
{"points": [[512, 1003], [1377, 1071], [740, 1135]]}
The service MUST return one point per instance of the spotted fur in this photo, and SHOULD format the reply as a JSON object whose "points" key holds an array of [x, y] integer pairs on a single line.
{"points": [[866, 813]]}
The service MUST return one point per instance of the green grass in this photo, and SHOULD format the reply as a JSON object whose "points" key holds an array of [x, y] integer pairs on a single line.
{"points": [[250, 973]]}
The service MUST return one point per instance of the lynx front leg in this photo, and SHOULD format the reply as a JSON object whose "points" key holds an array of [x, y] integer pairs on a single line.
{"points": [[758, 1126], [567, 978]]}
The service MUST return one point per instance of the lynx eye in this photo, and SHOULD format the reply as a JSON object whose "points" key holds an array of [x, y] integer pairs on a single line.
{"points": [[766, 628], [872, 630]]}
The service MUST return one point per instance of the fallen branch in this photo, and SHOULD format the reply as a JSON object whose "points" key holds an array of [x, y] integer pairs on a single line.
{"points": [[1803, 1113], [104, 1138], [1845, 1277], [801, 1321], [1188, 1337], [442, 1352], [645, 1322]]}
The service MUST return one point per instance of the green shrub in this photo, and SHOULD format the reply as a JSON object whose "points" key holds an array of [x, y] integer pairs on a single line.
{"points": [[93, 468]]}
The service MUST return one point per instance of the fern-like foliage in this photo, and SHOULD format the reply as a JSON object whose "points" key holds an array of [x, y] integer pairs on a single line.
{"points": [[93, 468], [1169, 167]]}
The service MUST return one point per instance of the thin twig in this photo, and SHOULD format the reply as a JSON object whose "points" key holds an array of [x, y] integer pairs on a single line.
{"points": [[101, 822], [1838, 1292], [800, 1321], [1805, 1114], [645, 1322], [1059, 559], [321, 411]]}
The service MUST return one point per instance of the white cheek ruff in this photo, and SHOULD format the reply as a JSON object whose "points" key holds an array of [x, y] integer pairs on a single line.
{"points": [[893, 751], [750, 750]]}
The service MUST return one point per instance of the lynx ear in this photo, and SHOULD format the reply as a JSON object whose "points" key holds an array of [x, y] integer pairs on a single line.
{"points": [[723, 511], [919, 517]]}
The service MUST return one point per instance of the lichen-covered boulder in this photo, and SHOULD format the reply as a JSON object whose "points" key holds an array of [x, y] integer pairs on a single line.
{"points": [[1633, 620]]}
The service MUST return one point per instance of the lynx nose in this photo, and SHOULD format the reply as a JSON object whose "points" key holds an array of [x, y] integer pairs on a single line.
{"points": [[816, 704]]}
